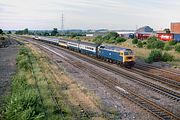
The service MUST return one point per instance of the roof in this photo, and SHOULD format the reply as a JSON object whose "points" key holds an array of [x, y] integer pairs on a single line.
{"points": [[116, 48], [75, 41], [144, 29], [84, 43], [89, 44]]}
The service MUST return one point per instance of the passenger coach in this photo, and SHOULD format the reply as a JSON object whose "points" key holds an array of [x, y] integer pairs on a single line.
{"points": [[88, 48]]}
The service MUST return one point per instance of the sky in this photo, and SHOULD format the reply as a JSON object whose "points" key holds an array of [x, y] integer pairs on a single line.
{"points": [[88, 14]]}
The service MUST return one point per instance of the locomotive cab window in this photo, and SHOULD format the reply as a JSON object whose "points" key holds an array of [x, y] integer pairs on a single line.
{"points": [[128, 52], [121, 53], [102, 47]]}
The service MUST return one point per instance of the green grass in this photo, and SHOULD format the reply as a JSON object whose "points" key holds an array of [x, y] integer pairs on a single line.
{"points": [[32, 89], [24, 102]]}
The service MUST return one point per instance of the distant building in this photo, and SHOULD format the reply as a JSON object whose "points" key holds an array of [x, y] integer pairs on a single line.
{"points": [[144, 29], [126, 34], [175, 27], [144, 32], [89, 35]]}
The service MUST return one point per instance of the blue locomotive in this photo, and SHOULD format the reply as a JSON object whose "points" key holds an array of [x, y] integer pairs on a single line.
{"points": [[118, 55]]}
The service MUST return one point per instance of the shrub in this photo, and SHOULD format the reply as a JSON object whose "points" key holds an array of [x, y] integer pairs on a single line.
{"points": [[139, 44], [144, 43], [154, 56], [167, 47], [98, 40], [152, 39], [2, 38], [111, 40], [167, 57], [177, 48], [135, 41], [149, 46], [158, 44], [120, 39], [172, 42]]}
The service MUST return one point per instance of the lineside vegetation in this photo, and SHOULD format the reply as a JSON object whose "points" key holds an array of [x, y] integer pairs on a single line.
{"points": [[24, 102]]}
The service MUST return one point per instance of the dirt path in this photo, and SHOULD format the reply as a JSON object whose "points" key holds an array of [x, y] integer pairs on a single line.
{"points": [[7, 67]]}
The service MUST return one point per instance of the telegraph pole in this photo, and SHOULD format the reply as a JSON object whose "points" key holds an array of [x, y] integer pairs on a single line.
{"points": [[62, 23]]}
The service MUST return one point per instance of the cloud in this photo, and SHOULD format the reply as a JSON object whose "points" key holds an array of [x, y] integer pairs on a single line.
{"points": [[112, 14]]}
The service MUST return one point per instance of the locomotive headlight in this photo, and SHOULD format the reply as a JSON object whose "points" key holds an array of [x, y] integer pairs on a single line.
{"points": [[129, 58]]}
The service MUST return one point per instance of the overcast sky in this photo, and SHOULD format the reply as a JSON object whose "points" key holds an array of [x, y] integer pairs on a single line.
{"points": [[88, 14]]}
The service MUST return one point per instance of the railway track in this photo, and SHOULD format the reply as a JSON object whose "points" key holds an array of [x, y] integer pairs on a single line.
{"points": [[172, 83], [164, 91], [55, 81], [145, 66], [167, 75], [150, 106], [139, 100]]}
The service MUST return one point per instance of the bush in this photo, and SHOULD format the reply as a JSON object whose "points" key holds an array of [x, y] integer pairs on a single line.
{"points": [[177, 48], [167, 47], [111, 40], [158, 44], [2, 38], [139, 44], [144, 43], [135, 41], [149, 46], [172, 43], [98, 40], [167, 57], [120, 39], [151, 40], [154, 56]]}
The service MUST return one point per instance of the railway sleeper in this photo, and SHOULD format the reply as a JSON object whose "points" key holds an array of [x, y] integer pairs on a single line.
{"points": [[166, 117]]}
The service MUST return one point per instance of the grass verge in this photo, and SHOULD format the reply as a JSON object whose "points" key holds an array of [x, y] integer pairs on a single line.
{"points": [[37, 92], [24, 101]]}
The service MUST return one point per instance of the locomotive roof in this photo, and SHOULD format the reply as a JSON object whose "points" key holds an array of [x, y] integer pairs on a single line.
{"points": [[89, 44], [80, 42], [75, 41], [116, 48]]}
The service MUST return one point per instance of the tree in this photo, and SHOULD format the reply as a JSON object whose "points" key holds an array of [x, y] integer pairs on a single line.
{"points": [[167, 30], [1, 31], [98, 40], [19, 32], [54, 32], [135, 41], [139, 44], [9, 32], [113, 34], [25, 31]]}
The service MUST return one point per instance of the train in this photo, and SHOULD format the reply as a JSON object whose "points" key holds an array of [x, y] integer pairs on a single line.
{"points": [[118, 55]]}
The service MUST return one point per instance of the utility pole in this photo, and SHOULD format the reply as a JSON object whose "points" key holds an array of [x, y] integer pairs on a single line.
{"points": [[62, 23], [136, 27]]}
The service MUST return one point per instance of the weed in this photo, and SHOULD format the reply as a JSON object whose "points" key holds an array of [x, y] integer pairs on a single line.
{"points": [[24, 102], [177, 48]]}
